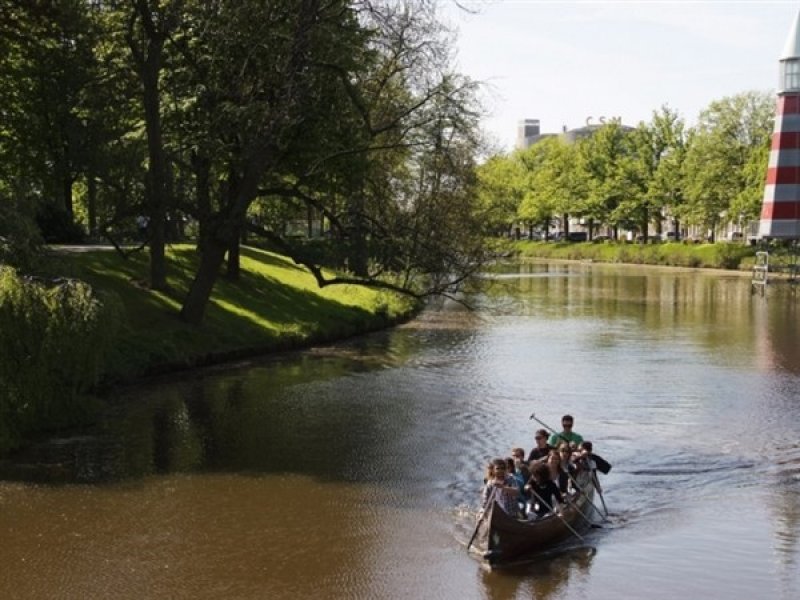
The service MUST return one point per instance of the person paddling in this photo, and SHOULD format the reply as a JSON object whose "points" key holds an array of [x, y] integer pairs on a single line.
{"points": [[544, 493], [541, 451], [567, 435], [502, 488]]}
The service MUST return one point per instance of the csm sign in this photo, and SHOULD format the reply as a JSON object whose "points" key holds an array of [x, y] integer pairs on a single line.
{"points": [[603, 121]]}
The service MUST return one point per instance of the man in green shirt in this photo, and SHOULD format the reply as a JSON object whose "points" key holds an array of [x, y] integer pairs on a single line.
{"points": [[567, 435]]}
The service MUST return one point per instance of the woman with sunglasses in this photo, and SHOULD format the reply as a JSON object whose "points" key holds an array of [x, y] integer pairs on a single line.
{"points": [[541, 450]]}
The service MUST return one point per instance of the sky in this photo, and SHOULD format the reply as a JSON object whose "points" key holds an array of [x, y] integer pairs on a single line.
{"points": [[563, 62]]}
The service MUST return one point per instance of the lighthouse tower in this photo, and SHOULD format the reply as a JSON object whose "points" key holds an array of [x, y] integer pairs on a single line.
{"points": [[780, 210]]}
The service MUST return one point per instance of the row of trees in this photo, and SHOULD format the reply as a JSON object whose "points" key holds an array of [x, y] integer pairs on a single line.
{"points": [[659, 173], [241, 114]]}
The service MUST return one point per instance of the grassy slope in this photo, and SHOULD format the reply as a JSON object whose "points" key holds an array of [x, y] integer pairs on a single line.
{"points": [[276, 305]]}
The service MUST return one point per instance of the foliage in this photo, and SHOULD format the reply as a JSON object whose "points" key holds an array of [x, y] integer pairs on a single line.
{"points": [[55, 340], [56, 226], [554, 181], [718, 256], [655, 174], [725, 151], [20, 240], [239, 114], [501, 190]]}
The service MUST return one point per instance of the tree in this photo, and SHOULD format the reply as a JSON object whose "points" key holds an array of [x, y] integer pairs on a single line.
{"points": [[665, 191], [728, 133], [150, 24], [603, 159], [501, 191], [552, 184], [383, 71], [48, 63]]}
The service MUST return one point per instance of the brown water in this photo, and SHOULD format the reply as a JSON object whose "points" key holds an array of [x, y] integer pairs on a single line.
{"points": [[351, 471]]}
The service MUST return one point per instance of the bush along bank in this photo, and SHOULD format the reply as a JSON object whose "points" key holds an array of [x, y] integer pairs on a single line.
{"points": [[65, 338], [54, 336], [677, 254]]}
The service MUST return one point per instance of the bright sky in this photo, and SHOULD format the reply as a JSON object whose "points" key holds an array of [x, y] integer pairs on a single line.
{"points": [[561, 62]]}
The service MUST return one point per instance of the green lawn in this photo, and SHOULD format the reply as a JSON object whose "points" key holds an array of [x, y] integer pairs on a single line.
{"points": [[276, 305]]}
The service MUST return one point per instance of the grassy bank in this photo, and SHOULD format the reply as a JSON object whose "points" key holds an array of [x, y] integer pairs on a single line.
{"points": [[717, 256], [276, 305]]}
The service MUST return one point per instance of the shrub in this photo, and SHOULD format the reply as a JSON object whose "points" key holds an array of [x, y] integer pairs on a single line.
{"points": [[54, 339], [20, 241], [57, 227]]}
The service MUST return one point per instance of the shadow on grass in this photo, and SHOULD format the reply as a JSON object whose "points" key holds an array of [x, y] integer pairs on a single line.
{"points": [[275, 305]]}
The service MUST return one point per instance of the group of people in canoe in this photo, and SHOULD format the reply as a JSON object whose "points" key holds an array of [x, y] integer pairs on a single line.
{"points": [[535, 486]]}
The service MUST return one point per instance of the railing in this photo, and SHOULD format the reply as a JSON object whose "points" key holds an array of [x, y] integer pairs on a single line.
{"points": [[760, 273]]}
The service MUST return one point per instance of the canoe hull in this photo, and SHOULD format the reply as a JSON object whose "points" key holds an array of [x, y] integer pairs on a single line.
{"points": [[502, 538]]}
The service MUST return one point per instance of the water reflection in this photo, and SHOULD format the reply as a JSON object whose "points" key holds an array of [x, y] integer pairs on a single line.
{"points": [[544, 578]]}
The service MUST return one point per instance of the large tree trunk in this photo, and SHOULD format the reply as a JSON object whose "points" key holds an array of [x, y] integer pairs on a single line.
{"points": [[234, 259], [148, 57], [201, 165], [194, 306], [222, 234], [259, 154]]}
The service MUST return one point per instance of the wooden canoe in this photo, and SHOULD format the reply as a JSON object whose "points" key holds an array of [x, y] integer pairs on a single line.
{"points": [[502, 538]]}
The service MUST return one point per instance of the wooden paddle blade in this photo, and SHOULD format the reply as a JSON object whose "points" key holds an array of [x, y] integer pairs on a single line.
{"points": [[602, 464]]}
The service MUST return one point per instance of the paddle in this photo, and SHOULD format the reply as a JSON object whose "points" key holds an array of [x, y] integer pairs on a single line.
{"points": [[589, 500], [597, 489], [482, 517], [602, 464], [580, 512], [560, 516]]}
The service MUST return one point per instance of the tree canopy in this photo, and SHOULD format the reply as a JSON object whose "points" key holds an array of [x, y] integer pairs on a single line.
{"points": [[237, 118], [657, 174]]}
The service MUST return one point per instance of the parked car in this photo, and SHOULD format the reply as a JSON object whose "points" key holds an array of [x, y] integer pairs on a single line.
{"points": [[670, 236], [578, 236]]}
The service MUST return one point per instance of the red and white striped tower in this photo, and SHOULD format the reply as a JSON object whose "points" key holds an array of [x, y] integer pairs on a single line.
{"points": [[780, 210]]}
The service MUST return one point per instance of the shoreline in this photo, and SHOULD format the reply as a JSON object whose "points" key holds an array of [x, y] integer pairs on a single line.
{"points": [[781, 276], [239, 357]]}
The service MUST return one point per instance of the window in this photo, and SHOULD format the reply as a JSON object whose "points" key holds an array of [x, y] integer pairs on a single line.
{"points": [[790, 75]]}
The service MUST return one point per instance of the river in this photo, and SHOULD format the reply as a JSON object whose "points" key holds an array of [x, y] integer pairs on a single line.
{"points": [[352, 470]]}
